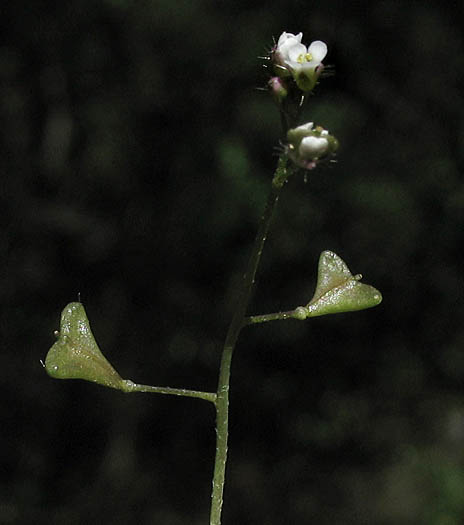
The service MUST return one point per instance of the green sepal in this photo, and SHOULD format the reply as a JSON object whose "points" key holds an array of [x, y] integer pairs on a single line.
{"points": [[338, 291], [76, 355], [306, 80]]}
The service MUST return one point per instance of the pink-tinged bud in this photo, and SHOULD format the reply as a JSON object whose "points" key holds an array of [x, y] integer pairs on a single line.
{"points": [[278, 89]]}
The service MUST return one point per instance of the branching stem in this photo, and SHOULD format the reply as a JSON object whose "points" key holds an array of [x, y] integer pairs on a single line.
{"points": [[236, 325], [129, 386]]}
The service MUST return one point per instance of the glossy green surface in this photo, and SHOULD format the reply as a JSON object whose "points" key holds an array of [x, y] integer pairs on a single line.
{"points": [[337, 290], [76, 355]]}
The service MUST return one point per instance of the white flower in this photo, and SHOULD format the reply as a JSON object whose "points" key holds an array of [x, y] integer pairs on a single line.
{"points": [[308, 145], [313, 147], [305, 127], [292, 57], [287, 41]]}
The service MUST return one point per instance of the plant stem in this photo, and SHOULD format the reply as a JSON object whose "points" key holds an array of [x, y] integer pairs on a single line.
{"points": [[277, 316], [236, 325], [129, 386]]}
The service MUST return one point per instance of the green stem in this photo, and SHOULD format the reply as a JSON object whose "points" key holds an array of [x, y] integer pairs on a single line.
{"points": [[237, 323], [298, 313], [129, 386]]}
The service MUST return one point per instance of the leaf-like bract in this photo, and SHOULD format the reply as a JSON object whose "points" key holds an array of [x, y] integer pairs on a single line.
{"points": [[337, 290], [76, 355]]}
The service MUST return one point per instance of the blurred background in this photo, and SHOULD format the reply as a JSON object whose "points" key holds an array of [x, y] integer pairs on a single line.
{"points": [[136, 158]]}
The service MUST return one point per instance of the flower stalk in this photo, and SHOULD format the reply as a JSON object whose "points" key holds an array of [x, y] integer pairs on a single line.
{"points": [[236, 325], [183, 392]]}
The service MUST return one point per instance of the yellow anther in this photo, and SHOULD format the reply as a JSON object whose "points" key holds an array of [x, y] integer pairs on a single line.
{"points": [[304, 57]]}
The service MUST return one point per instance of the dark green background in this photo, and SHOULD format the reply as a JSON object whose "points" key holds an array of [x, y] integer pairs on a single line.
{"points": [[136, 156]]}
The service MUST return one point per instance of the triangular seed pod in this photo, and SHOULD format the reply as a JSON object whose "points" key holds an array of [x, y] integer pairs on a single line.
{"points": [[337, 290], [76, 355]]}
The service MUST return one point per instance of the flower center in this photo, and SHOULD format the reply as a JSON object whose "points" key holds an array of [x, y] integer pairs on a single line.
{"points": [[304, 57]]}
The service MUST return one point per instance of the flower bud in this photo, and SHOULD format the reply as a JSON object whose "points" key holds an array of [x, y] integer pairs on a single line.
{"points": [[278, 89], [308, 144]]}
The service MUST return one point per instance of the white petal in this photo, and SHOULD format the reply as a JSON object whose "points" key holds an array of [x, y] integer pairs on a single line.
{"points": [[309, 67], [295, 51], [294, 67], [318, 50], [285, 36], [311, 147], [306, 127], [285, 47]]}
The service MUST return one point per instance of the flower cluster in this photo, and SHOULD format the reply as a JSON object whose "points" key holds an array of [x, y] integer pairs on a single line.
{"points": [[308, 144], [296, 70], [291, 58]]}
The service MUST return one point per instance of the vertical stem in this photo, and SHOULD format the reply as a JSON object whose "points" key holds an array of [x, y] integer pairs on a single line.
{"points": [[237, 323]]}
